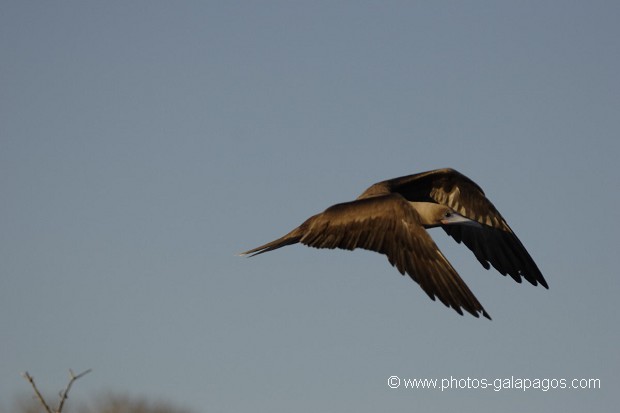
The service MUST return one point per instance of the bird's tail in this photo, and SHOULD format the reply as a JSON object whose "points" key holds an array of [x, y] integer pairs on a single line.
{"points": [[292, 237]]}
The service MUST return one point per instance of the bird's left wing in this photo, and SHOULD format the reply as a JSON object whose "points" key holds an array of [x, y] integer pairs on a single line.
{"points": [[492, 243]]}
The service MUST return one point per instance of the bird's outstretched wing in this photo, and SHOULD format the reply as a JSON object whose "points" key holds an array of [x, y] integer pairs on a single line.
{"points": [[389, 225], [494, 243]]}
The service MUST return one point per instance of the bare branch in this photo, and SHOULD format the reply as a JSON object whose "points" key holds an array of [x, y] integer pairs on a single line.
{"points": [[28, 377], [64, 394]]}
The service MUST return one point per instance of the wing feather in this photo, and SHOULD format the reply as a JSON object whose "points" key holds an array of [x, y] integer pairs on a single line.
{"points": [[388, 225], [494, 243]]}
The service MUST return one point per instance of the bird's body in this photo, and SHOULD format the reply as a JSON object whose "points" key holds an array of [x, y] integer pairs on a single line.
{"points": [[391, 217]]}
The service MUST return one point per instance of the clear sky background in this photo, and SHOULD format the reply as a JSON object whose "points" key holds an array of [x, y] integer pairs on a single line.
{"points": [[143, 144]]}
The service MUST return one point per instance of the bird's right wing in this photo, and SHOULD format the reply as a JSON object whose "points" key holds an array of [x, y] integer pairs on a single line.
{"points": [[388, 225]]}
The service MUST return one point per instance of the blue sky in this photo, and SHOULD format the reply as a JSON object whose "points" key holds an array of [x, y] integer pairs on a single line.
{"points": [[144, 144]]}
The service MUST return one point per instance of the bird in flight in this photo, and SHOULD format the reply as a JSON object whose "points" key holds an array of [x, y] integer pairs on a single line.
{"points": [[391, 218]]}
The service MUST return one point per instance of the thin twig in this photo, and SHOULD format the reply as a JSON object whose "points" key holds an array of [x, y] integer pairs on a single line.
{"points": [[28, 377], [64, 394]]}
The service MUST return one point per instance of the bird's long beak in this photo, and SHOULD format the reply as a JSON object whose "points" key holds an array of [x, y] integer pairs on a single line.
{"points": [[459, 220]]}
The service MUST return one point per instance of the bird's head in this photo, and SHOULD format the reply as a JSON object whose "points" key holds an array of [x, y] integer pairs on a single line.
{"points": [[434, 215], [447, 216]]}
